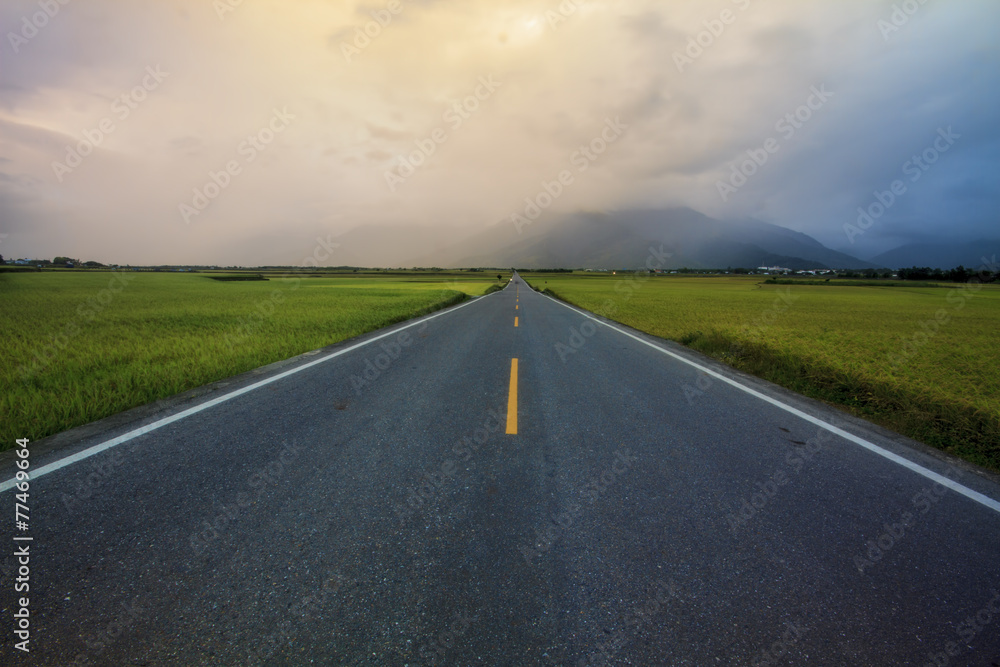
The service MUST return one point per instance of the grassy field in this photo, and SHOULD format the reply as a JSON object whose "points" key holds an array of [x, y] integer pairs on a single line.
{"points": [[79, 346], [922, 361]]}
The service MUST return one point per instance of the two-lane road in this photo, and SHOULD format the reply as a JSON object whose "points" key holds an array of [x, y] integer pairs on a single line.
{"points": [[418, 497]]}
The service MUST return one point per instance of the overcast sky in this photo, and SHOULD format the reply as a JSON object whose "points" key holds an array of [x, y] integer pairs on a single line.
{"points": [[113, 113]]}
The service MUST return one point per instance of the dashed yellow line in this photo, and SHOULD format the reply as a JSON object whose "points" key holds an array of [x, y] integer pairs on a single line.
{"points": [[515, 320], [512, 400]]}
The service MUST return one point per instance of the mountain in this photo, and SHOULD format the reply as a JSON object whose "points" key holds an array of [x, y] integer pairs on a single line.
{"points": [[622, 239], [940, 255]]}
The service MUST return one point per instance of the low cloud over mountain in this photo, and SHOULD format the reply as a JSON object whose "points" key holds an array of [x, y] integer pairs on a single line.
{"points": [[674, 238]]}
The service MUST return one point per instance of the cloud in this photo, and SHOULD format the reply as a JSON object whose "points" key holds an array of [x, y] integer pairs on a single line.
{"points": [[564, 70]]}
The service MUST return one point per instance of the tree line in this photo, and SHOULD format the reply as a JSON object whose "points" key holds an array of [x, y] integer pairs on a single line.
{"points": [[959, 274]]}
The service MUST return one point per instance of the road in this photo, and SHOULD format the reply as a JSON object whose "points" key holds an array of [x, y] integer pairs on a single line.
{"points": [[418, 497]]}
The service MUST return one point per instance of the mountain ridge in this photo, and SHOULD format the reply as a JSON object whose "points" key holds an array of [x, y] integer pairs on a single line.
{"points": [[971, 255], [622, 239], [616, 239]]}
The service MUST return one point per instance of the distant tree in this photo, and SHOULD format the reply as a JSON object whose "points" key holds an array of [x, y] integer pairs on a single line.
{"points": [[916, 273], [958, 275], [499, 277]]}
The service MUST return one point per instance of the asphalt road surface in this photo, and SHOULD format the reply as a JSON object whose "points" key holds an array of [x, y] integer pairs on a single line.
{"points": [[464, 490]]}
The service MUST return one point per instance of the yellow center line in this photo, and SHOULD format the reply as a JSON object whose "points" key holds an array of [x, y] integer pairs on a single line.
{"points": [[515, 320], [512, 400]]}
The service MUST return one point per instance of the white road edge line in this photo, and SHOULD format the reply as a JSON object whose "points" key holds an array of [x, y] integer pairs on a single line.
{"points": [[143, 430], [980, 498]]}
